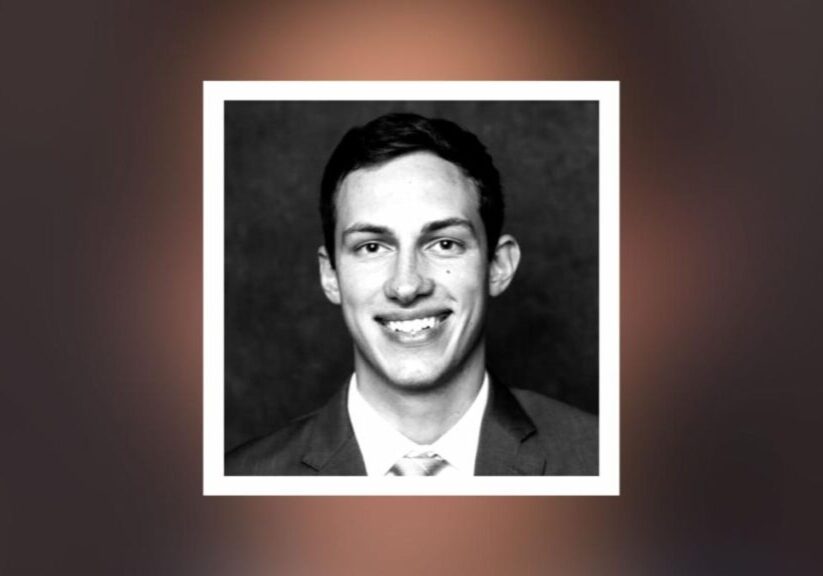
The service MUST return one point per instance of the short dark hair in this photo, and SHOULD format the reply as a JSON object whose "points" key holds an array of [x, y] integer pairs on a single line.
{"points": [[393, 135]]}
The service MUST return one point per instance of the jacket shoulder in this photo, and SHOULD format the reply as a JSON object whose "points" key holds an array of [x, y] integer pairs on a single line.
{"points": [[568, 436], [277, 454]]}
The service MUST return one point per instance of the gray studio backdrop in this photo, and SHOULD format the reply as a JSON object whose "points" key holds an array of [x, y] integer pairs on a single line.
{"points": [[287, 349]]}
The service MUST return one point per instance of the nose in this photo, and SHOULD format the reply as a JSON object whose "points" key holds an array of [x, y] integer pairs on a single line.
{"points": [[408, 280]]}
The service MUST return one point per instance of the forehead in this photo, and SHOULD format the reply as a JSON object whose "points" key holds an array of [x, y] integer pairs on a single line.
{"points": [[407, 191]]}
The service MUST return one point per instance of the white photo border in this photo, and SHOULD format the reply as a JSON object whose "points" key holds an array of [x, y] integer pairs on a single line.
{"points": [[215, 482]]}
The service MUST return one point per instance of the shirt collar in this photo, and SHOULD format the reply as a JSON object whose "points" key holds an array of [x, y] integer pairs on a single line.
{"points": [[381, 445]]}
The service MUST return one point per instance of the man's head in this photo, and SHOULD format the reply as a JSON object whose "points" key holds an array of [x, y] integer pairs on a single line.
{"points": [[394, 135], [409, 257]]}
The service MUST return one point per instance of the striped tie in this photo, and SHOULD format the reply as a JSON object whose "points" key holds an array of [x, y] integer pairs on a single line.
{"points": [[426, 464]]}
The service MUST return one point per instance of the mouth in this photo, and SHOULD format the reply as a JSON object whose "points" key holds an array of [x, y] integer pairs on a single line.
{"points": [[413, 326]]}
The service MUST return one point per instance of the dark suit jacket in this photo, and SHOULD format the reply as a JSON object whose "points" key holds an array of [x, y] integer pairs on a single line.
{"points": [[523, 433]]}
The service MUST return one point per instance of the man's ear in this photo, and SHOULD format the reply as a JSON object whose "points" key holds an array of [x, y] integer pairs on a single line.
{"points": [[503, 264], [328, 276]]}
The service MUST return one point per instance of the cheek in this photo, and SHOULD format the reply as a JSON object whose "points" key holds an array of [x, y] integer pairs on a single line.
{"points": [[361, 287], [467, 292], [468, 277]]}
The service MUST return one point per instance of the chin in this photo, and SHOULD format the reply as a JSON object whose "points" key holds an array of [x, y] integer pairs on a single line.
{"points": [[413, 377]]}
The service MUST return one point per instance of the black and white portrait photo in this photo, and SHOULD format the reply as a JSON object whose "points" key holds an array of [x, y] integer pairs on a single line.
{"points": [[412, 291]]}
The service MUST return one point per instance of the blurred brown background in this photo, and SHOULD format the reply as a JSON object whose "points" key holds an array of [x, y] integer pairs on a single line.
{"points": [[101, 203]]}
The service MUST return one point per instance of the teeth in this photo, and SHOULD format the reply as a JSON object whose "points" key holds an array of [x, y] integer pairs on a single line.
{"points": [[412, 326]]}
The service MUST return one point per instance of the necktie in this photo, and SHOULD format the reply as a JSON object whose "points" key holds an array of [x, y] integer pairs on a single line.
{"points": [[426, 464]]}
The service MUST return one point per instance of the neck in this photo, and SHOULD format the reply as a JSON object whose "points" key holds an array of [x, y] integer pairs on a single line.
{"points": [[423, 413]]}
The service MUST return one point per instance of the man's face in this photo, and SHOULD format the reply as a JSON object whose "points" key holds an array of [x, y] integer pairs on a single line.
{"points": [[412, 273]]}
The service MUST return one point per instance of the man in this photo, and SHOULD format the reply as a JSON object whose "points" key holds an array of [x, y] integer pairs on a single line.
{"points": [[412, 212]]}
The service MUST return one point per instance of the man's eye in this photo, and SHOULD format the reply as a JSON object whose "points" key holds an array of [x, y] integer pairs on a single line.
{"points": [[369, 248], [447, 246]]}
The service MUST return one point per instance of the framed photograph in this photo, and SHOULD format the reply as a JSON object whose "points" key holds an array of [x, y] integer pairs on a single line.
{"points": [[411, 288]]}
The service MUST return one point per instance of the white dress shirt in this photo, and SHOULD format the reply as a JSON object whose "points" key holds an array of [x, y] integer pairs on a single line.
{"points": [[382, 445]]}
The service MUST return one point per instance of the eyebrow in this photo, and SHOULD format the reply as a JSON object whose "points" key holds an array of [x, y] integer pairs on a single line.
{"points": [[448, 223], [364, 228], [435, 226]]}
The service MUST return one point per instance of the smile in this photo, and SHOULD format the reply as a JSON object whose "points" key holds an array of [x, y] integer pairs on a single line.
{"points": [[414, 326]]}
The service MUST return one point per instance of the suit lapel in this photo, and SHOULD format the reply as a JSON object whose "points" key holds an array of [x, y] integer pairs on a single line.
{"points": [[504, 449], [333, 448]]}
